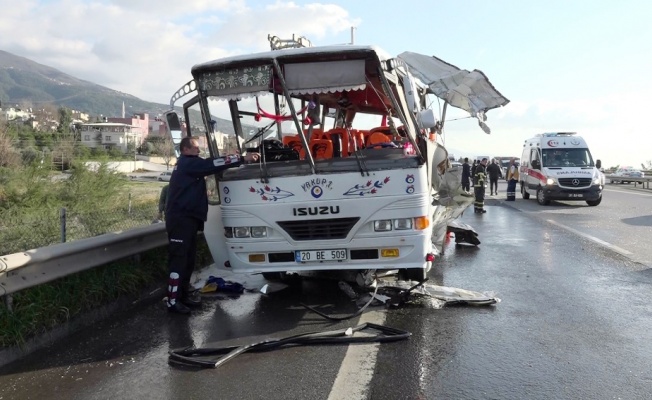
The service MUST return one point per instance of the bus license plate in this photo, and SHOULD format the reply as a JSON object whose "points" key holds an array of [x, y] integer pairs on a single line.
{"points": [[575, 195], [320, 255]]}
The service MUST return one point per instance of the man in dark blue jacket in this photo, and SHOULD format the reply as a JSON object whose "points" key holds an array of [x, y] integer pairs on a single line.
{"points": [[185, 213], [466, 175]]}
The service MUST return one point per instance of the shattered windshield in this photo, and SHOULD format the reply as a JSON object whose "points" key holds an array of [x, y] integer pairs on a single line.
{"points": [[567, 158], [262, 121]]}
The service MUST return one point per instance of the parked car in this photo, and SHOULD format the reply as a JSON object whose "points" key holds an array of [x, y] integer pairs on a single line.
{"points": [[165, 176], [626, 172]]}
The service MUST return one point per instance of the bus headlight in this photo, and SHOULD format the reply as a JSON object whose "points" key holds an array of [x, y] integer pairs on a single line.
{"points": [[258, 231], [241, 232], [403, 223], [550, 181], [383, 225], [597, 181], [245, 232]]}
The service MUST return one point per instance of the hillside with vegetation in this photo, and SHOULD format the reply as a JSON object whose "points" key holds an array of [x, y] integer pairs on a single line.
{"points": [[28, 84]]}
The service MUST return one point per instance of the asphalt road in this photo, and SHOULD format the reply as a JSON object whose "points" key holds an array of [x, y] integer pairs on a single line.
{"points": [[572, 323]]}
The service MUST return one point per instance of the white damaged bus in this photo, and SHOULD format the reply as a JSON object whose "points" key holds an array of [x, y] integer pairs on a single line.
{"points": [[352, 175]]}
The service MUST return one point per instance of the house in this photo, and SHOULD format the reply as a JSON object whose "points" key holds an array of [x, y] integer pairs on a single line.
{"points": [[109, 135], [12, 114], [138, 122]]}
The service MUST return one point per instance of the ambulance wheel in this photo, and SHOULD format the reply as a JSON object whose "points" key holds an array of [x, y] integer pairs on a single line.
{"points": [[525, 194], [594, 203], [541, 198]]}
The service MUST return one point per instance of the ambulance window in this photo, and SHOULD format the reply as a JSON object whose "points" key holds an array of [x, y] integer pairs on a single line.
{"points": [[534, 157]]}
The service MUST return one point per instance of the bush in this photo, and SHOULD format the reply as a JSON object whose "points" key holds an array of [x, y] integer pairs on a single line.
{"points": [[96, 202]]}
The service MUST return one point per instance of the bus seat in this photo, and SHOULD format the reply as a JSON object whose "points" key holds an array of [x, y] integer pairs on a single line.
{"points": [[338, 146], [287, 139], [381, 130], [321, 148], [294, 142], [340, 138], [357, 140], [377, 138], [361, 137], [316, 133]]}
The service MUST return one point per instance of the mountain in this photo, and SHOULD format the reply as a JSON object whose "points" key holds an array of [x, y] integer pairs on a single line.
{"points": [[26, 82], [30, 84]]}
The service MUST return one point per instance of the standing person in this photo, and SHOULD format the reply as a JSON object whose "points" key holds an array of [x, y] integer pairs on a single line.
{"points": [[185, 214], [162, 200], [494, 172], [512, 179], [479, 179], [466, 175]]}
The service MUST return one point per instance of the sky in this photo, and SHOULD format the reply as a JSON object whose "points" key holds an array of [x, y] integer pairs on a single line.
{"points": [[565, 65]]}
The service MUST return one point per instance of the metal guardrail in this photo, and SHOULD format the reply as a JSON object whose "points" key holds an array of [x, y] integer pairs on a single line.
{"points": [[643, 181], [20, 271]]}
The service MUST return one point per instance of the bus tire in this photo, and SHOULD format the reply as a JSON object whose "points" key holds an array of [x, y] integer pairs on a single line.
{"points": [[275, 276], [414, 274]]}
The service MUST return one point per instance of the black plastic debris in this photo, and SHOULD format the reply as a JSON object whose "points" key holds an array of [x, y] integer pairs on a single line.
{"points": [[464, 233], [213, 357]]}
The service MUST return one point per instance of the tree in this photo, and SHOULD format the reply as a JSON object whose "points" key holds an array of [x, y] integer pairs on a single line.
{"points": [[164, 148], [30, 156], [65, 121], [9, 157]]}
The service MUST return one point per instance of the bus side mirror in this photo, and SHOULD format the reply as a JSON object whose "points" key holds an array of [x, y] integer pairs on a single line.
{"points": [[174, 129], [598, 164]]}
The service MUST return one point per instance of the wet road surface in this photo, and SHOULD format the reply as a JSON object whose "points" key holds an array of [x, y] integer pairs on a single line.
{"points": [[572, 324]]}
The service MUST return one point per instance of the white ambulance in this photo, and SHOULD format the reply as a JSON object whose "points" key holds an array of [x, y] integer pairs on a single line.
{"points": [[559, 166]]}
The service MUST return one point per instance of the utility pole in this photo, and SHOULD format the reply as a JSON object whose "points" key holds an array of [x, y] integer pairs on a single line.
{"points": [[135, 151]]}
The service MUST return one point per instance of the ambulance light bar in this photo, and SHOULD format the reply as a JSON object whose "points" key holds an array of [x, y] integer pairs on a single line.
{"points": [[556, 134]]}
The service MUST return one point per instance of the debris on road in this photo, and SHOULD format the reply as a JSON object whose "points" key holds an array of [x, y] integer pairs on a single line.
{"points": [[213, 357]]}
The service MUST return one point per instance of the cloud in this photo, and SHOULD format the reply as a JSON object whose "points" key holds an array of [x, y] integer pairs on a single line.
{"points": [[147, 48]]}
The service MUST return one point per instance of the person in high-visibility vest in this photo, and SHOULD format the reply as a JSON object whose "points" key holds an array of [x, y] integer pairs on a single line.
{"points": [[512, 180], [479, 179]]}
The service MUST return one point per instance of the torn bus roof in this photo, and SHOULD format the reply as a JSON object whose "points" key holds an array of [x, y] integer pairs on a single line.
{"points": [[469, 91]]}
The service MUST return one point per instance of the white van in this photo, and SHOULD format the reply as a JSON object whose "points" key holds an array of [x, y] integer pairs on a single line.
{"points": [[559, 166]]}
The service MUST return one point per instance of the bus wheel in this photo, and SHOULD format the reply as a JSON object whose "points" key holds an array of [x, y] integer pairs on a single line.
{"points": [[414, 274], [272, 276], [525, 194]]}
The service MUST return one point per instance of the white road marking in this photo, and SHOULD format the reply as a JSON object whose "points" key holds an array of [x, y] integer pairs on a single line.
{"points": [[357, 369], [594, 239], [627, 192]]}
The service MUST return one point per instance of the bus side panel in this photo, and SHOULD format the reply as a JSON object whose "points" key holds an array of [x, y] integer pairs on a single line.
{"points": [[214, 234]]}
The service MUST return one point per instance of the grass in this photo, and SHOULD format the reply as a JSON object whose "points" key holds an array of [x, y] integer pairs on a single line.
{"points": [[145, 191]]}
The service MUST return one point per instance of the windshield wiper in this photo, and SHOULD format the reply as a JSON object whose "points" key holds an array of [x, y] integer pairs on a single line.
{"points": [[362, 165], [264, 177]]}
